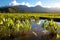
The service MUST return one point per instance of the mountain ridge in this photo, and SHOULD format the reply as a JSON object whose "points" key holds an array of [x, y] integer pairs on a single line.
{"points": [[23, 8]]}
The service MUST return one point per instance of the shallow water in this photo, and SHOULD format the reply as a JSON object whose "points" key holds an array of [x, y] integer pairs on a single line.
{"points": [[37, 33]]}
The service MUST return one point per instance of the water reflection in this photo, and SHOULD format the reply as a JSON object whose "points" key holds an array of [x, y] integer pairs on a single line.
{"points": [[36, 27]]}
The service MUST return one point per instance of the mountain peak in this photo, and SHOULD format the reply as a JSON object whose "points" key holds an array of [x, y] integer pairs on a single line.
{"points": [[24, 8]]}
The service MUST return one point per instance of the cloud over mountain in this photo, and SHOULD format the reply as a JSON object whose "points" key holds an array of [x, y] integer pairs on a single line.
{"points": [[14, 3]]}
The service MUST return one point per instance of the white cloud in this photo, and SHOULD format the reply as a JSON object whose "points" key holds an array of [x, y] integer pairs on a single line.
{"points": [[13, 3], [23, 3], [39, 3], [56, 5]]}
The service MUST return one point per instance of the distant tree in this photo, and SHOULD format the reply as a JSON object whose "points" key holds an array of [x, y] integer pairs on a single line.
{"points": [[12, 10]]}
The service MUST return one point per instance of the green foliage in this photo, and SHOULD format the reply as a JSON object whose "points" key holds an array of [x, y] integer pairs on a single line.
{"points": [[51, 25], [13, 24], [44, 24]]}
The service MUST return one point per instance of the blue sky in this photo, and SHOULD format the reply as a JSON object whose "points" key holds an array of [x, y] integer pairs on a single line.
{"points": [[44, 3]]}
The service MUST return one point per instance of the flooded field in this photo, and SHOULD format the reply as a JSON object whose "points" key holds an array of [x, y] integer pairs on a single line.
{"points": [[30, 27], [36, 33]]}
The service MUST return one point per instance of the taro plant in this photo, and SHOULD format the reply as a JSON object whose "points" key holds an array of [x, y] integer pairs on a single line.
{"points": [[52, 27], [27, 24]]}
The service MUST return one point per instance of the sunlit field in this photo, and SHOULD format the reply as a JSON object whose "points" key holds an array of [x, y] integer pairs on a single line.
{"points": [[48, 15], [29, 26]]}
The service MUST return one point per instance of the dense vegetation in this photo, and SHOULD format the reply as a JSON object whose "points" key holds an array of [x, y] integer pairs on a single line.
{"points": [[11, 24]]}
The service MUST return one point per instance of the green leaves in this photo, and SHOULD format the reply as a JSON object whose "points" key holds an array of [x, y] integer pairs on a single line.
{"points": [[12, 24], [51, 25], [58, 36], [47, 28], [58, 26]]}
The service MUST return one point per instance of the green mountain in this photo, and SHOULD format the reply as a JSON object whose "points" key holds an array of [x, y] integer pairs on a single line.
{"points": [[23, 8]]}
